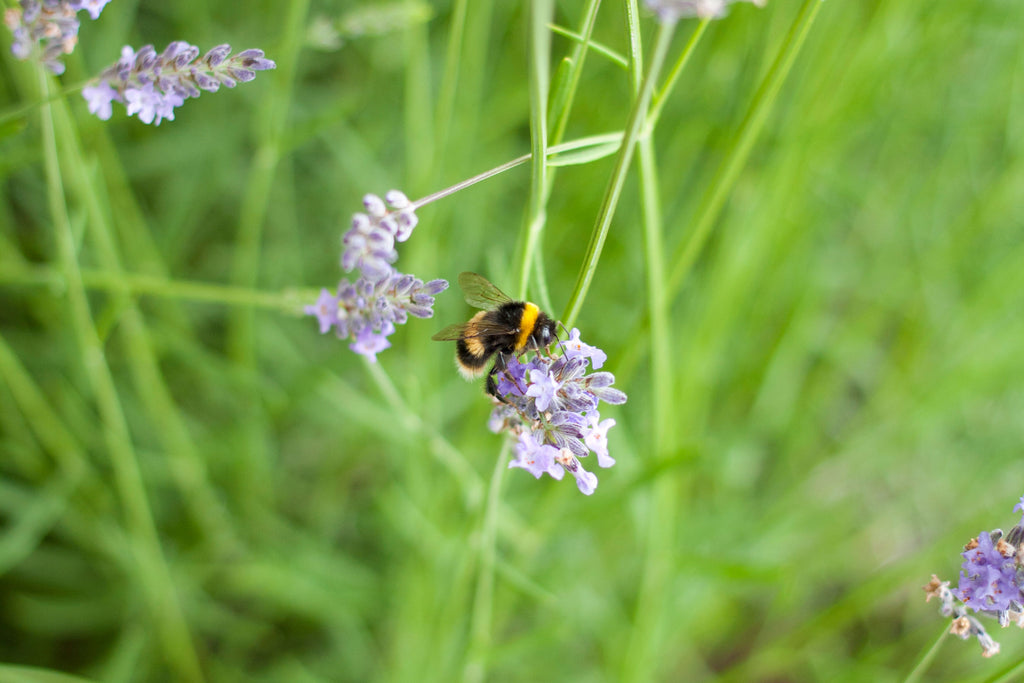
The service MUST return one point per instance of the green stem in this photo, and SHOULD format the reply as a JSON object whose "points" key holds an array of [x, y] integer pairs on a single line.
{"points": [[40, 416], [659, 99], [153, 573], [579, 56], [611, 196], [1014, 673], [289, 301], [592, 141], [23, 110], [926, 659], [541, 13], [475, 669], [584, 39], [736, 157], [446, 454]]}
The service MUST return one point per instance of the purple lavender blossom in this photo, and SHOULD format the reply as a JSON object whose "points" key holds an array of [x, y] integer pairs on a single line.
{"points": [[596, 438], [673, 10], [991, 583], [575, 348], [151, 85], [325, 309], [543, 388], [368, 309], [48, 29], [369, 343], [536, 458], [550, 401], [989, 577]]}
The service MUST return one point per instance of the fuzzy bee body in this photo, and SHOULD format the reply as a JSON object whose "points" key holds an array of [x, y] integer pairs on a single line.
{"points": [[503, 329]]}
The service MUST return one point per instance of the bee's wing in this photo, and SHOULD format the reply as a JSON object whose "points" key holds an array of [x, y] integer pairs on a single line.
{"points": [[480, 293], [478, 327], [451, 333]]}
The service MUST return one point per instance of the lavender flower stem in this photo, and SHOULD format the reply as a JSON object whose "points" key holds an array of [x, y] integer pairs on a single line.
{"points": [[541, 14], [611, 196], [152, 574], [24, 110], [591, 141], [289, 301], [926, 659], [658, 101], [750, 129], [483, 597]]}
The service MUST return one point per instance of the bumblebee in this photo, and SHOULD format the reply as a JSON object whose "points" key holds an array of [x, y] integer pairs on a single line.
{"points": [[504, 327]]}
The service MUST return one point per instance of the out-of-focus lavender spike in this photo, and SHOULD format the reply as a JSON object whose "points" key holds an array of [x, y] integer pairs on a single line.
{"points": [[151, 85]]}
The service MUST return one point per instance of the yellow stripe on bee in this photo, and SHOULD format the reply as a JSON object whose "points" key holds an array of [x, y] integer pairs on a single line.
{"points": [[526, 325], [475, 346]]}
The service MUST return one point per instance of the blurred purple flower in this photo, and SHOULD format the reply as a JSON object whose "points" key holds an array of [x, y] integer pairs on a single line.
{"points": [[673, 10], [151, 85], [368, 309], [991, 584], [48, 29]]}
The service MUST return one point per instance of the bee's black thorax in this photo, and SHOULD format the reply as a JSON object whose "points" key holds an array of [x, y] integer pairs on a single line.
{"points": [[505, 331]]}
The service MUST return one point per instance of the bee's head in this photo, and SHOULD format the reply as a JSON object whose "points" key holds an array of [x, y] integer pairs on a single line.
{"points": [[546, 332]]}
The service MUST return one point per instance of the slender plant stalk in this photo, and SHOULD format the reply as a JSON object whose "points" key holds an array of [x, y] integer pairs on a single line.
{"points": [[446, 95], [24, 110], [289, 301], [40, 416], [1014, 673], [153, 574], [187, 465], [611, 196], [727, 174], [253, 209], [447, 455], [577, 60], [927, 658], [582, 38], [541, 13], [644, 640], [253, 471], [475, 669], [561, 118], [739, 151], [659, 99]]}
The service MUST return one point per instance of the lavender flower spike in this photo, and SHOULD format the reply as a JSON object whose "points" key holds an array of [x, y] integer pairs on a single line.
{"points": [[673, 10], [367, 310], [48, 29], [549, 403], [991, 584], [151, 85]]}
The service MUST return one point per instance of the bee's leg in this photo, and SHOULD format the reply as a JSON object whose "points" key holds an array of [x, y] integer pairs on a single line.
{"points": [[492, 383]]}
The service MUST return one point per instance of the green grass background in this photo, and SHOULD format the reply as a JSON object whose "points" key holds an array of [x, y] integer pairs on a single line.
{"points": [[194, 483]]}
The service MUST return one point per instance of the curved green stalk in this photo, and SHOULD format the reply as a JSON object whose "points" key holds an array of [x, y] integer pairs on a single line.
{"points": [[611, 196], [736, 157], [926, 659], [540, 63], [153, 574], [658, 101], [475, 669]]}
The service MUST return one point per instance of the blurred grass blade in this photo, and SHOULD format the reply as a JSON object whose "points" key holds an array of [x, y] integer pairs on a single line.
{"points": [[10, 673]]}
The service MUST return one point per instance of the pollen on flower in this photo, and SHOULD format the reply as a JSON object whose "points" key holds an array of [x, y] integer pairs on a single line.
{"points": [[960, 627]]}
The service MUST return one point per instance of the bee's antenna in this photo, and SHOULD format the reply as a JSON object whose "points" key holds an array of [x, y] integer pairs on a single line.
{"points": [[567, 335]]}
